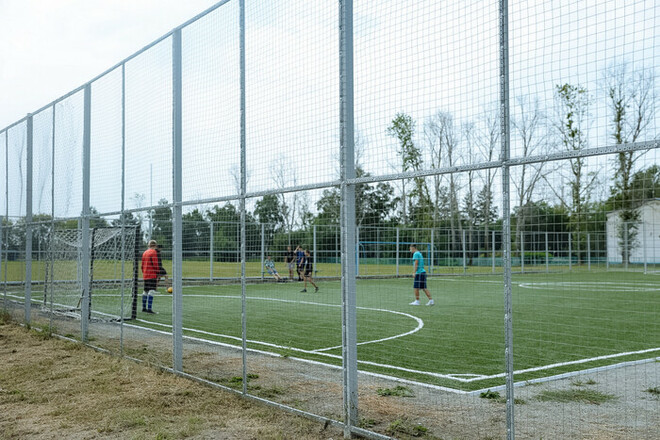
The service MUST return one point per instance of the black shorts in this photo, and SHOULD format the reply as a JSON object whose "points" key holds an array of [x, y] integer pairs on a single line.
{"points": [[308, 273], [150, 284], [420, 281]]}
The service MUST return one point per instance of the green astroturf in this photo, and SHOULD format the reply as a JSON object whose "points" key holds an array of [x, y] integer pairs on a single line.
{"points": [[558, 318]]}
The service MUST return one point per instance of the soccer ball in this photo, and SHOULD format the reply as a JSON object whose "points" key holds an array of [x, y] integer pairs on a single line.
{"points": [[169, 290]]}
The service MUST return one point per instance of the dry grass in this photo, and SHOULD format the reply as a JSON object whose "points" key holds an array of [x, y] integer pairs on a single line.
{"points": [[54, 389]]}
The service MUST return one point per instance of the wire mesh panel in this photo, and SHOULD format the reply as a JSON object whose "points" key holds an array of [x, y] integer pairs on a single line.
{"points": [[499, 278], [68, 157], [211, 105], [148, 107], [107, 143], [291, 94]]}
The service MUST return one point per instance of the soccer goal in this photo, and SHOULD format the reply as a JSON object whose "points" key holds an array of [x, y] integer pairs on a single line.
{"points": [[113, 272]]}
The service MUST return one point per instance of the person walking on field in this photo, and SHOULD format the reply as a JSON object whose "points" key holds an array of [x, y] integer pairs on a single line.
{"points": [[308, 269], [150, 275], [420, 276]]}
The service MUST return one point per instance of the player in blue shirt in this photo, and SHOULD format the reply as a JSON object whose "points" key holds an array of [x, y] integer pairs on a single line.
{"points": [[420, 276]]}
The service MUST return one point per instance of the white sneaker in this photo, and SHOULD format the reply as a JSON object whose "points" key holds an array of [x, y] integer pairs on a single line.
{"points": [[430, 303], [415, 303]]}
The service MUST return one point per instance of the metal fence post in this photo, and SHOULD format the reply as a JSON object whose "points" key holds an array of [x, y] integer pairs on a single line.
{"points": [[243, 190], [644, 247], [211, 252], [626, 253], [314, 250], [6, 211], [493, 252], [85, 248], [588, 251], [263, 249], [123, 198], [177, 191], [397, 252], [570, 252], [431, 253], [349, 266], [522, 252], [464, 252], [357, 250], [506, 215], [28, 220], [547, 255]]}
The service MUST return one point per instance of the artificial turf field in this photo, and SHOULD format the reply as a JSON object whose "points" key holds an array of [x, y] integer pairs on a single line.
{"points": [[563, 322]]}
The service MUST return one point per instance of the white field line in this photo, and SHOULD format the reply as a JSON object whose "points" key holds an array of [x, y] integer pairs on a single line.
{"points": [[567, 375], [457, 377], [594, 285], [563, 364]]}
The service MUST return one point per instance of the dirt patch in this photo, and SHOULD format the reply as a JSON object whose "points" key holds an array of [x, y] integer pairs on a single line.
{"points": [[52, 389]]}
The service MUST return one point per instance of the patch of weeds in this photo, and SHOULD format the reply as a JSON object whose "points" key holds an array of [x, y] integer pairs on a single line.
{"points": [[5, 317], [45, 333], [366, 423], [655, 391], [398, 391], [286, 352], [404, 426], [270, 393], [193, 427], [579, 383], [235, 381], [579, 396], [490, 395]]}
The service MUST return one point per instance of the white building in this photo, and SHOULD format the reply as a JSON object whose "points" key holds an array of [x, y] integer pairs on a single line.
{"points": [[647, 246]]}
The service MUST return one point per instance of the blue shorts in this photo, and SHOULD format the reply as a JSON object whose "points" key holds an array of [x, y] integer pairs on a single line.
{"points": [[420, 281]]}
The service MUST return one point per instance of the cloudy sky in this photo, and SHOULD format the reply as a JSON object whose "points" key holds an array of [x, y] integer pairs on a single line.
{"points": [[420, 58], [51, 47]]}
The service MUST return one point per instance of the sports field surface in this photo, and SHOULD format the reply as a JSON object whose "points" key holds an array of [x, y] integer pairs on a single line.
{"points": [[562, 323]]}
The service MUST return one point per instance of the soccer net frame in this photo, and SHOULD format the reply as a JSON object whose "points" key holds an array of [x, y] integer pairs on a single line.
{"points": [[114, 255]]}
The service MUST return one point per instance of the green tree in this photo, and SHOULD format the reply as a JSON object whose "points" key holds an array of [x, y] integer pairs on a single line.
{"points": [[631, 102], [403, 129], [196, 234], [571, 124], [162, 224]]}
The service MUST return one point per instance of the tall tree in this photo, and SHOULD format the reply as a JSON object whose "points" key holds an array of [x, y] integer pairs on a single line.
{"points": [[402, 128], [162, 224], [530, 126], [444, 142], [572, 125], [487, 139], [631, 103]]}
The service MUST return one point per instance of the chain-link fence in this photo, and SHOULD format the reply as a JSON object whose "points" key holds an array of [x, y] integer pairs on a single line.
{"points": [[437, 219]]}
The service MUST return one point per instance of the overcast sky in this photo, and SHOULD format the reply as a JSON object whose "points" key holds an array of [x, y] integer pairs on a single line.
{"points": [[418, 58], [51, 47]]}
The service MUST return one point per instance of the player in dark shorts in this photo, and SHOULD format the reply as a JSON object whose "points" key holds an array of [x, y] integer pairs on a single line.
{"points": [[308, 267], [290, 260], [420, 276], [150, 275], [300, 262]]}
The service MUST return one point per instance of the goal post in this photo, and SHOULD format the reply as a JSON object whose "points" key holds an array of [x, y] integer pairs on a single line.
{"points": [[114, 254]]}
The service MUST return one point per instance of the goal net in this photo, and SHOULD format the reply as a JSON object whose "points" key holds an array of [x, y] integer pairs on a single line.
{"points": [[113, 272]]}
